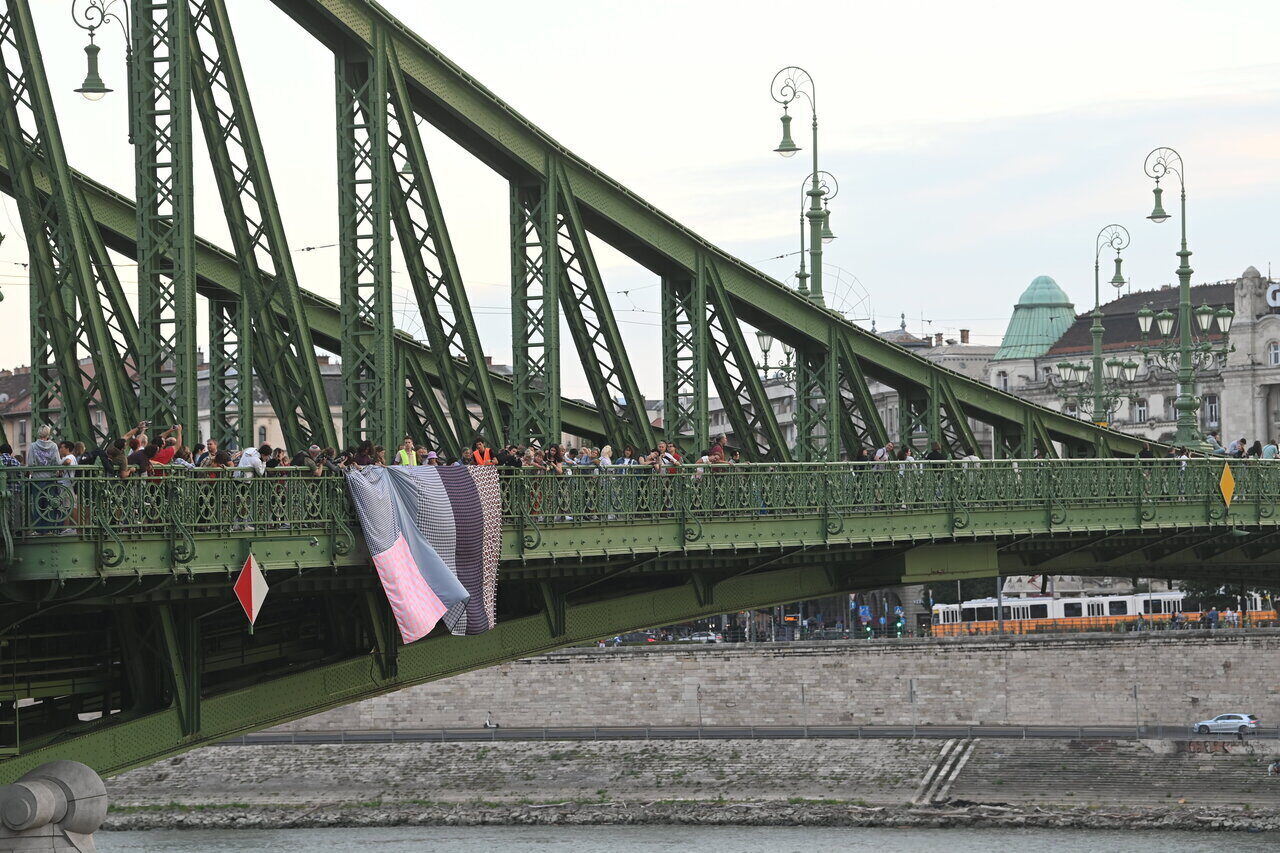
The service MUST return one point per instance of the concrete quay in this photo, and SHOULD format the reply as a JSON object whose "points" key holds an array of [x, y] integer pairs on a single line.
{"points": [[1058, 680]]}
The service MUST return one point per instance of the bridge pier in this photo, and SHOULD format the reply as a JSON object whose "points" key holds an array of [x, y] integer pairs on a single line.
{"points": [[57, 806]]}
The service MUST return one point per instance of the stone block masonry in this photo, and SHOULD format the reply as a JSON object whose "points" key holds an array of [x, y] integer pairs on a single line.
{"points": [[1036, 680]]}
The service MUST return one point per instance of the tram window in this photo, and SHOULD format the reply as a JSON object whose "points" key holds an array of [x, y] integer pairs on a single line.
{"points": [[986, 614], [1095, 608], [1039, 611], [1006, 612], [1147, 606], [1117, 608], [1072, 608], [969, 614]]}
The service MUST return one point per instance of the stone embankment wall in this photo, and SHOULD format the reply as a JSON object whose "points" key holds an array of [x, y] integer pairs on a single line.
{"points": [[1067, 680]]}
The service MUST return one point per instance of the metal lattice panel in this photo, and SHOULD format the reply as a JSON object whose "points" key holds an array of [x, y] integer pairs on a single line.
{"points": [[275, 318], [535, 315], [368, 370], [166, 227]]}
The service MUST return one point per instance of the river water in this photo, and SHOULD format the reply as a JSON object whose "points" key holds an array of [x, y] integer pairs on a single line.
{"points": [[679, 839]]}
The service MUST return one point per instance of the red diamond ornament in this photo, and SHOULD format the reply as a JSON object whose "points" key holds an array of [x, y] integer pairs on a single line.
{"points": [[251, 588]]}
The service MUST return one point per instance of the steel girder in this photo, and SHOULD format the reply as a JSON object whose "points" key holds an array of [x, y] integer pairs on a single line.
{"points": [[817, 392], [742, 394], [860, 422], [77, 305], [219, 277], [464, 109], [370, 396], [274, 319], [425, 419], [685, 409], [437, 282], [230, 380], [554, 271], [535, 314], [595, 332], [161, 104], [189, 717]]}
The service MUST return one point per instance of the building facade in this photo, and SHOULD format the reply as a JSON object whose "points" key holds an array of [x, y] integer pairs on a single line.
{"points": [[1240, 395]]}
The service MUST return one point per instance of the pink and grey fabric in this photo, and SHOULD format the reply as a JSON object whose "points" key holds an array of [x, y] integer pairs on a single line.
{"points": [[434, 535]]}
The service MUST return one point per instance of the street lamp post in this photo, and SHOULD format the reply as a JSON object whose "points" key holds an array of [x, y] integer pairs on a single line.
{"points": [[830, 189], [1187, 353], [788, 84], [1099, 386]]}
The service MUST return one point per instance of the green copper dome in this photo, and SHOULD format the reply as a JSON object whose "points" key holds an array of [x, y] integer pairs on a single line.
{"points": [[1042, 315]]}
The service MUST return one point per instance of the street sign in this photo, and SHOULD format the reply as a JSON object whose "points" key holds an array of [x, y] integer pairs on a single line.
{"points": [[251, 589]]}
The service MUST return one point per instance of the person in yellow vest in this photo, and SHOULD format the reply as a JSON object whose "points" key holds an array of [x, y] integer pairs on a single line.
{"points": [[407, 455], [481, 454]]}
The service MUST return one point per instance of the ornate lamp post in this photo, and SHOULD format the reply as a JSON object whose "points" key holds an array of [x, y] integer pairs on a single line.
{"points": [[1188, 353], [830, 189], [788, 84], [1110, 380], [785, 367], [89, 15]]}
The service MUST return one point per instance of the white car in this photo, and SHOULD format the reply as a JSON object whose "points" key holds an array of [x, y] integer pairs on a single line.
{"points": [[706, 637], [1229, 723]]}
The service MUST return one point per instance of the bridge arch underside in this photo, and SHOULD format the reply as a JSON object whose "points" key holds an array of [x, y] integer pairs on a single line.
{"points": [[168, 659]]}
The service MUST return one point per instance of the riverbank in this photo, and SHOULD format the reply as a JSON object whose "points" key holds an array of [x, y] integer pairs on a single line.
{"points": [[813, 813], [1066, 783]]}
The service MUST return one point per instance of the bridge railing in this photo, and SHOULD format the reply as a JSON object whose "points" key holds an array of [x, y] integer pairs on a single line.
{"points": [[623, 493], [180, 502], [171, 501]]}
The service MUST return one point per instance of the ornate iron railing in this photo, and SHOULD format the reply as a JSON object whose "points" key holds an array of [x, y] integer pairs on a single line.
{"points": [[182, 503], [619, 494], [174, 502]]}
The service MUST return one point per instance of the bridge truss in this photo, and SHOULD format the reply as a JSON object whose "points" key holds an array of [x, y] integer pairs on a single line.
{"points": [[140, 651]]}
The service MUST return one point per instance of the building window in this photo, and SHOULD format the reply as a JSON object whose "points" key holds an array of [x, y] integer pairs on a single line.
{"points": [[262, 435], [1002, 380], [22, 433], [1212, 412], [1273, 354], [1140, 411], [1047, 372]]}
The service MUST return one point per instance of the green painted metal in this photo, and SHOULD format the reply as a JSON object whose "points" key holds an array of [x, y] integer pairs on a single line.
{"points": [[426, 421], [685, 407], [69, 319], [480, 121], [161, 121], [860, 422], [364, 228], [275, 318], [732, 368], [437, 282], [230, 377], [589, 316], [535, 317], [138, 739], [219, 276], [817, 391]]}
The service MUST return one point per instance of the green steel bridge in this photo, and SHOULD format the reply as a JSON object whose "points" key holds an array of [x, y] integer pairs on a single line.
{"points": [[120, 641]]}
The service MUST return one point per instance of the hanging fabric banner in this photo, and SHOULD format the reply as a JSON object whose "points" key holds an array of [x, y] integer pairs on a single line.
{"points": [[435, 534]]}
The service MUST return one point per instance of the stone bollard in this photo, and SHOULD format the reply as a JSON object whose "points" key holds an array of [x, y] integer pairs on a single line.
{"points": [[57, 807]]}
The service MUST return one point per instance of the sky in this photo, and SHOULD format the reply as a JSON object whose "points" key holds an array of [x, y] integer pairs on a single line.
{"points": [[976, 145]]}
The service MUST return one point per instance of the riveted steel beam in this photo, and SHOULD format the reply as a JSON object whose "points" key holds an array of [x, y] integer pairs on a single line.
{"points": [[817, 401], [275, 319], [364, 207], [535, 313], [433, 270], [77, 360], [685, 409], [742, 394], [161, 104], [492, 130], [230, 379], [587, 311], [860, 423]]}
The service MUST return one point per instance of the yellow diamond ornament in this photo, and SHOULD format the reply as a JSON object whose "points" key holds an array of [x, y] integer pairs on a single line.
{"points": [[1227, 483]]}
